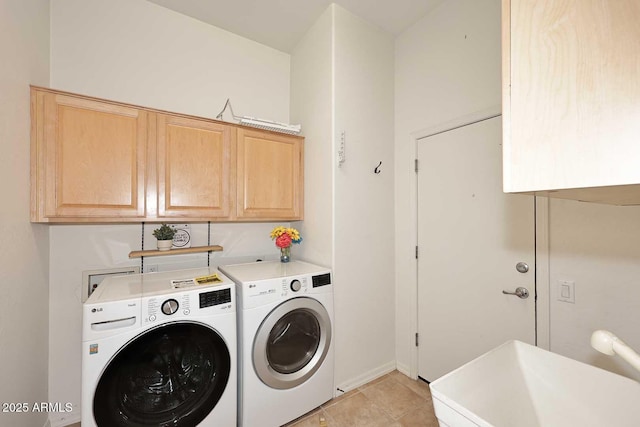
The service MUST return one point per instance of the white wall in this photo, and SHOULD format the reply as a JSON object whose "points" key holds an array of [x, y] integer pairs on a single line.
{"points": [[24, 290], [595, 246], [137, 52], [342, 80], [447, 66], [312, 106], [364, 253]]}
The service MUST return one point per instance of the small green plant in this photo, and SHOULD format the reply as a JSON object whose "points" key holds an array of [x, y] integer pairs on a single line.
{"points": [[164, 232]]}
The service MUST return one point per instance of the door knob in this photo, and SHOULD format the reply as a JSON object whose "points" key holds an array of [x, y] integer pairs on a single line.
{"points": [[522, 267], [520, 292]]}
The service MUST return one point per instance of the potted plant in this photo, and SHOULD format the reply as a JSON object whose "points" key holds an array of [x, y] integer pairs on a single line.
{"points": [[164, 234]]}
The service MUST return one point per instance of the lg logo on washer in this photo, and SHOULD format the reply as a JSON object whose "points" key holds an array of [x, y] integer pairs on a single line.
{"points": [[100, 309]]}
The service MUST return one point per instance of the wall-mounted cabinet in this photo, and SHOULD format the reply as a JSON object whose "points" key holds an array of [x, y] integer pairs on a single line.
{"points": [[571, 99], [270, 176], [87, 158], [100, 161], [194, 162]]}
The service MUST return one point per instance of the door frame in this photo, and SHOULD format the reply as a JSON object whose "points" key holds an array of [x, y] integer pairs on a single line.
{"points": [[541, 251]]}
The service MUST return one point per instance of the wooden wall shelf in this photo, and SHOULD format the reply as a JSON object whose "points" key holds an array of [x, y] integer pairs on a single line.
{"points": [[181, 251]]}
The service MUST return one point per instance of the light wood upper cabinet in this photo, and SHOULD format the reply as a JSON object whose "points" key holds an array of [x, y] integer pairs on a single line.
{"points": [[194, 161], [571, 99], [88, 159], [270, 175], [94, 160]]}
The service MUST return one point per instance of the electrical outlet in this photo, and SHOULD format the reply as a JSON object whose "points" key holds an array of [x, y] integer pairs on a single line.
{"points": [[150, 269]]}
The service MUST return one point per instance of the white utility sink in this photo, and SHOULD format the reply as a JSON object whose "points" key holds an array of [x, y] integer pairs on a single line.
{"points": [[519, 385]]}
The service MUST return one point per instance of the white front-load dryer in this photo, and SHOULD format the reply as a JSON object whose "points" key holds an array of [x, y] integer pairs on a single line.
{"points": [[285, 335], [160, 351]]}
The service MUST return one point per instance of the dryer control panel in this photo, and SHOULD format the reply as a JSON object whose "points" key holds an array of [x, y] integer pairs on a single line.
{"points": [[299, 285]]}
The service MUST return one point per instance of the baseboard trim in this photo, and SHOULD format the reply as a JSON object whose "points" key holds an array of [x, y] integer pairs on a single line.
{"points": [[404, 369], [360, 380]]}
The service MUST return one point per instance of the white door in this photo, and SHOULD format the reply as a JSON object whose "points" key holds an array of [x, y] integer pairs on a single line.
{"points": [[471, 236]]}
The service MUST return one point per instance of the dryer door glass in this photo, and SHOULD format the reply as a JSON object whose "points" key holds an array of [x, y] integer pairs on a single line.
{"points": [[293, 341], [173, 375]]}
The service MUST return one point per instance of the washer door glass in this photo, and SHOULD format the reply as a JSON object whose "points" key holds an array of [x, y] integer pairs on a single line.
{"points": [[292, 342], [173, 375]]}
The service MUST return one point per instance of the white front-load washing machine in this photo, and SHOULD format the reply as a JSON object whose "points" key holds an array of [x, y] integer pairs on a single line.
{"points": [[159, 350], [285, 335]]}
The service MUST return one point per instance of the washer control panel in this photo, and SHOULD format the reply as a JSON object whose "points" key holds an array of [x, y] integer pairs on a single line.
{"points": [[213, 298], [164, 306], [187, 304]]}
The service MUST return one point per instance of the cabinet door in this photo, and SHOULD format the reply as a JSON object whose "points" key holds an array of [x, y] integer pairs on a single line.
{"points": [[194, 168], [90, 157], [270, 176], [571, 95]]}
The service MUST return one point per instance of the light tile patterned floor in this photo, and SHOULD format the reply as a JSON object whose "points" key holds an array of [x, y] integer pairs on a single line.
{"points": [[393, 400]]}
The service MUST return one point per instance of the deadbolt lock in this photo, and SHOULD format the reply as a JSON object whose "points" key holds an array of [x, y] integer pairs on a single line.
{"points": [[522, 267]]}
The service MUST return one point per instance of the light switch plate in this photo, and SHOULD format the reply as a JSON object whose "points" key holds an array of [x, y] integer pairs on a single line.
{"points": [[567, 291]]}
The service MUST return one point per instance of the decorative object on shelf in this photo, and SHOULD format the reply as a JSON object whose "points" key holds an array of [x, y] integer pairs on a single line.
{"points": [[284, 238], [164, 234], [182, 238]]}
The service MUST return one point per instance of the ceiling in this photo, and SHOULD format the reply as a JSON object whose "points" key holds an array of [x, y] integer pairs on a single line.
{"points": [[282, 23]]}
